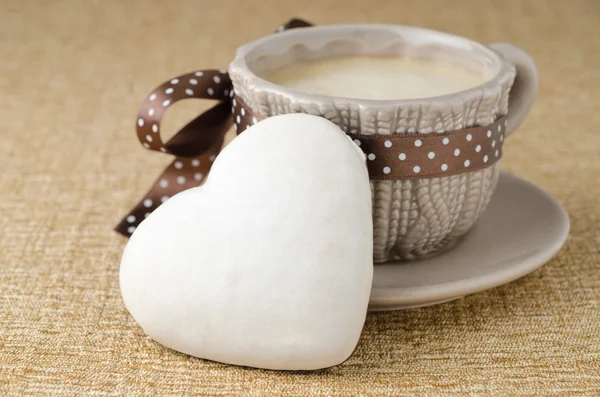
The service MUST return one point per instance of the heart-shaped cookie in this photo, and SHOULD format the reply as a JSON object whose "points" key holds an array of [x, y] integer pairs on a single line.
{"points": [[269, 264]]}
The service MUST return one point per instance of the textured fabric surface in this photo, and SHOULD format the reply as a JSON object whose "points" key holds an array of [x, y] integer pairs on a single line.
{"points": [[72, 75]]}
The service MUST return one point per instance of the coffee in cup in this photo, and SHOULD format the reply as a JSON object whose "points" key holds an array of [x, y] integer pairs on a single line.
{"points": [[375, 77]]}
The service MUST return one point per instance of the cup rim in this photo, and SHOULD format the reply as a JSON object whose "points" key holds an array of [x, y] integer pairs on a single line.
{"points": [[257, 83]]}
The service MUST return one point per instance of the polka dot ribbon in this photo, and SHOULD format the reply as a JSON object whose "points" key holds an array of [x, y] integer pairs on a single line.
{"points": [[196, 145], [416, 156]]}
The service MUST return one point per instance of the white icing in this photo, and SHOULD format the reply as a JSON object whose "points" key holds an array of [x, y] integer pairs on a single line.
{"points": [[269, 264]]}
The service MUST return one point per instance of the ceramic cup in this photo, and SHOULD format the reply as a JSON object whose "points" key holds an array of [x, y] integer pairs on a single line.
{"points": [[411, 218]]}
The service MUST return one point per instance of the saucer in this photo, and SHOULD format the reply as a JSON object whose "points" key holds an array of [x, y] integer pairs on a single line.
{"points": [[522, 228]]}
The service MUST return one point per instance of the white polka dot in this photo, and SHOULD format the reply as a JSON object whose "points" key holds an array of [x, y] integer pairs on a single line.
{"points": [[152, 97], [489, 133], [162, 149], [131, 229], [446, 141], [497, 152], [444, 167], [478, 148], [418, 143], [243, 112], [169, 90], [387, 143], [254, 120], [231, 93], [469, 137], [235, 127], [195, 163], [147, 203], [178, 165], [174, 81], [467, 163], [371, 156], [146, 215], [181, 180], [387, 170], [163, 183], [146, 145], [140, 122], [164, 198], [485, 158], [198, 176], [238, 119], [505, 122], [189, 91], [494, 143], [499, 127], [166, 103], [233, 102], [502, 138], [223, 71], [131, 218], [212, 157], [199, 74], [216, 79], [151, 112], [357, 142], [148, 138], [416, 169], [402, 156], [431, 155], [210, 91], [456, 152], [193, 81], [154, 127]]}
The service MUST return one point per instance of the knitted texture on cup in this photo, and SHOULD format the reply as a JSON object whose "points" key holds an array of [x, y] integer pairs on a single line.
{"points": [[411, 218]]}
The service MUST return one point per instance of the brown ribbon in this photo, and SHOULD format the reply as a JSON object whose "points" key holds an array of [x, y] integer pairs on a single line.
{"points": [[195, 146]]}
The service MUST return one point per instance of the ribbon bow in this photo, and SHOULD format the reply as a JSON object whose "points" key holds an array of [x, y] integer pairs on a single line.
{"points": [[196, 145]]}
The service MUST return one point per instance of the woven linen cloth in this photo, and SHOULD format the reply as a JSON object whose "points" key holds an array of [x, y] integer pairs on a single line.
{"points": [[72, 75]]}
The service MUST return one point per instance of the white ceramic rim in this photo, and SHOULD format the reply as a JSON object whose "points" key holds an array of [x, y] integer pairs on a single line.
{"points": [[298, 35]]}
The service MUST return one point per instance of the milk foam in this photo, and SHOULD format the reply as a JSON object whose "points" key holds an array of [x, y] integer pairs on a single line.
{"points": [[375, 77]]}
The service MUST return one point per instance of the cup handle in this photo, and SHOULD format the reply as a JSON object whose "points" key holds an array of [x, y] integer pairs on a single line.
{"points": [[525, 86]]}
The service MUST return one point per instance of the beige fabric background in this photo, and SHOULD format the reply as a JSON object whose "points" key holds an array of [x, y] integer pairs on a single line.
{"points": [[72, 74]]}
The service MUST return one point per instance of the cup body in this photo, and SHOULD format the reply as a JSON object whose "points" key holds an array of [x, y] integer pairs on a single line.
{"points": [[411, 218]]}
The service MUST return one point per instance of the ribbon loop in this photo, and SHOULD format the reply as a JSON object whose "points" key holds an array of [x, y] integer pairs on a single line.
{"points": [[205, 84], [196, 145]]}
